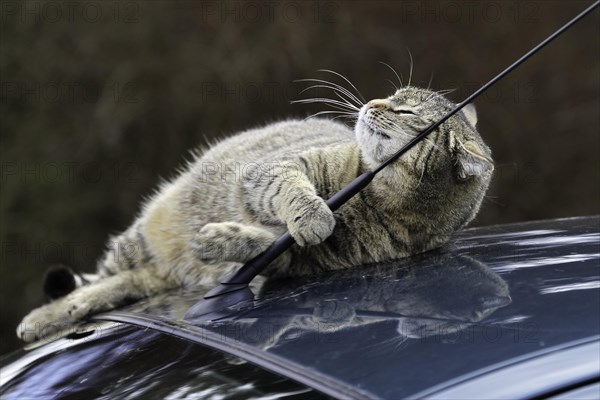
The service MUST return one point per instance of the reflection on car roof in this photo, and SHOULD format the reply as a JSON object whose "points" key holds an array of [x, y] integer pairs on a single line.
{"points": [[397, 328]]}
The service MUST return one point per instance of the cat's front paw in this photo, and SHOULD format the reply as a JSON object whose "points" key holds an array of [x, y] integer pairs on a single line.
{"points": [[54, 319], [313, 224], [44, 322], [211, 242], [225, 241]]}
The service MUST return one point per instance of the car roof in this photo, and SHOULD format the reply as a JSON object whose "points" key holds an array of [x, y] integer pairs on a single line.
{"points": [[494, 297]]}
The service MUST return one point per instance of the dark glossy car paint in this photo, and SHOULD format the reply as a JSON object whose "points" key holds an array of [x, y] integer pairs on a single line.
{"points": [[502, 311]]}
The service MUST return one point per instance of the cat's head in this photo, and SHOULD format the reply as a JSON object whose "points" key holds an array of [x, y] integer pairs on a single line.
{"points": [[385, 125]]}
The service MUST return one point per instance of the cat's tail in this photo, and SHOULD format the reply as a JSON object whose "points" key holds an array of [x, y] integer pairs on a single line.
{"points": [[124, 252], [61, 280]]}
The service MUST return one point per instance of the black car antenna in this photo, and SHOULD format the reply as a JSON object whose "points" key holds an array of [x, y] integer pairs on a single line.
{"points": [[234, 289]]}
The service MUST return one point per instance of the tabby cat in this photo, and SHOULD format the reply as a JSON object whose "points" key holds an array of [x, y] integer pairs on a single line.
{"points": [[236, 197]]}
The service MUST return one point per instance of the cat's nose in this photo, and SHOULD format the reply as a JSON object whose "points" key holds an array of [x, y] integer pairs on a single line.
{"points": [[378, 104]]}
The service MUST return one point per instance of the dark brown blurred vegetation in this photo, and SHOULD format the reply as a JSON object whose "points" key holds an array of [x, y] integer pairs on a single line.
{"points": [[101, 99]]}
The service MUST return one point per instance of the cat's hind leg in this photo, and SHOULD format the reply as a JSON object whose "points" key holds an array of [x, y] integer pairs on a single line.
{"points": [[96, 297], [232, 241]]}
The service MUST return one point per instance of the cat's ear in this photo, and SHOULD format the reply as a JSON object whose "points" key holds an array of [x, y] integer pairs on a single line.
{"points": [[470, 113], [469, 159]]}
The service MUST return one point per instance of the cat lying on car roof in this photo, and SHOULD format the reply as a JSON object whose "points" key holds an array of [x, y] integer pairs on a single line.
{"points": [[203, 224]]}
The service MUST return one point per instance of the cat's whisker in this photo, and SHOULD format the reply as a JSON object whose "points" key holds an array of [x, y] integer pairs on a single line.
{"points": [[430, 80], [395, 73], [330, 102], [333, 86], [446, 91], [430, 98], [335, 112], [336, 87], [341, 112], [347, 80], [437, 94], [326, 101], [348, 117], [424, 102], [335, 90], [346, 101], [393, 84], [328, 112], [411, 66]]}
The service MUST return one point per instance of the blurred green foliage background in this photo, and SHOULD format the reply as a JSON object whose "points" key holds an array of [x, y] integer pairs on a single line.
{"points": [[102, 99]]}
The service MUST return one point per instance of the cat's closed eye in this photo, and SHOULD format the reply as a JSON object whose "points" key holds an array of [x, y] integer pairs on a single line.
{"points": [[405, 111]]}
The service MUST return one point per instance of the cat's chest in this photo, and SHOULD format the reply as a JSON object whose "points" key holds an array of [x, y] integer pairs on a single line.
{"points": [[363, 234], [380, 233]]}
